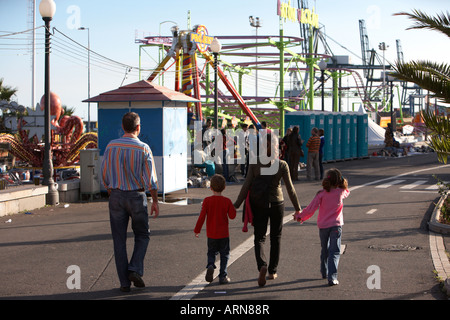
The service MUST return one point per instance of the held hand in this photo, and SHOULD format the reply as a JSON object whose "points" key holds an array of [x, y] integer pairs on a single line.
{"points": [[296, 216], [154, 209]]}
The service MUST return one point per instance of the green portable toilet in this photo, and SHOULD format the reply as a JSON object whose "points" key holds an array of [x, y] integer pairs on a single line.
{"points": [[337, 135], [305, 132], [345, 136], [305, 121], [363, 139], [319, 121], [329, 132], [353, 135]]}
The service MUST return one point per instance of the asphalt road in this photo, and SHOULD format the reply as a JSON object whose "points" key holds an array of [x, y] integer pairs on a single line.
{"points": [[385, 245]]}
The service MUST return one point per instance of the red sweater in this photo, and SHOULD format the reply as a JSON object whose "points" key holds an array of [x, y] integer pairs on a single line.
{"points": [[216, 210]]}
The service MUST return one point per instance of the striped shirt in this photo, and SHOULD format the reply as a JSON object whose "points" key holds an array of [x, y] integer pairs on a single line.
{"points": [[128, 165], [313, 144]]}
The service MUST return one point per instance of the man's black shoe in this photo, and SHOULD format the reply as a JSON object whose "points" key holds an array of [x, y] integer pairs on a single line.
{"points": [[136, 279]]}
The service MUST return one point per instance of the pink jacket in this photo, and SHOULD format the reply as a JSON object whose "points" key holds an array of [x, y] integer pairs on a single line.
{"points": [[331, 205]]}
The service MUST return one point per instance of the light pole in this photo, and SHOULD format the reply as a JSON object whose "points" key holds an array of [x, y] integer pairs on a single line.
{"points": [[89, 79], [323, 66], [47, 9], [256, 23], [383, 47], [215, 46]]}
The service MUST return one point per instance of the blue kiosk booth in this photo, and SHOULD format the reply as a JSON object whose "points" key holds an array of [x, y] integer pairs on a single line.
{"points": [[163, 114]]}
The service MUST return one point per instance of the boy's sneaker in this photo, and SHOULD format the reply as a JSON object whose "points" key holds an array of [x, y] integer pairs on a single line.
{"points": [[224, 280], [209, 274]]}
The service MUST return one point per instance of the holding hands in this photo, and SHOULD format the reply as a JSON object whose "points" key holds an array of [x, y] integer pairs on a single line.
{"points": [[296, 216]]}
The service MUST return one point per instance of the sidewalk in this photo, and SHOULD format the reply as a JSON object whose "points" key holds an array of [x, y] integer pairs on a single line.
{"points": [[38, 249]]}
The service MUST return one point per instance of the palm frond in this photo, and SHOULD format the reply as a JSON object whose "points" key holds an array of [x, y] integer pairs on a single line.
{"points": [[441, 22], [428, 75], [439, 127]]}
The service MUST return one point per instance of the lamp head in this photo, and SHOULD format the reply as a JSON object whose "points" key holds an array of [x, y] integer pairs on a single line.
{"points": [[215, 45], [322, 64], [47, 9]]}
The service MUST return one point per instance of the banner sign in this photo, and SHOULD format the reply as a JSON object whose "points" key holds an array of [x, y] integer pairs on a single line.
{"points": [[306, 16]]}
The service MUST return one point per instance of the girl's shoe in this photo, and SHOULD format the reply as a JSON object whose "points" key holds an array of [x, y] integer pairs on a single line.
{"points": [[224, 280], [333, 282]]}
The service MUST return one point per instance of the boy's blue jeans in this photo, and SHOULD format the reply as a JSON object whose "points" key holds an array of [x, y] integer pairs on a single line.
{"points": [[122, 206], [330, 240], [221, 246]]}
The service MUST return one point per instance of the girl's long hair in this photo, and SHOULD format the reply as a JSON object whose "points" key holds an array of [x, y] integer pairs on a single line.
{"points": [[334, 178]]}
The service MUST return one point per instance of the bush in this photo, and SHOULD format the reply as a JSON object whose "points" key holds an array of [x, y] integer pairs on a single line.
{"points": [[444, 189]]}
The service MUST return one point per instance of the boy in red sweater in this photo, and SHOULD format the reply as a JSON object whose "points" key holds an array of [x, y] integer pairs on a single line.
{"points": [[216, 209]]}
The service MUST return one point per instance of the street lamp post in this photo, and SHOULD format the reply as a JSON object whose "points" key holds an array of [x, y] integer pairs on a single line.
{"points": [[47, 9], [89, 79], [256, 23], [383, 47], [323, 66], [216, 46]]}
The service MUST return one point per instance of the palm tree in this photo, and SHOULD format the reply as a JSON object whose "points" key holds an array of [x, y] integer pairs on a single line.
{"points": [[431, 76], [6, 92]]}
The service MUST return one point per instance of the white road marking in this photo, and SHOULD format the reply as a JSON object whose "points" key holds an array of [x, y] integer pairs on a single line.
{"points": [[387, 185], [371, 211], [414, 184], [435, 186]]}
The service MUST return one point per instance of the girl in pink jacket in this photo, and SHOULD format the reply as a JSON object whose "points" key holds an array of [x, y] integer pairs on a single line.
{"points": [[329, 221]]}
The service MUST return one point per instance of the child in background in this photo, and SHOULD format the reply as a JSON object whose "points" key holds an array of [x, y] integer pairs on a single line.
{"points": [[322, 143], [216, 209], [329, 221]]}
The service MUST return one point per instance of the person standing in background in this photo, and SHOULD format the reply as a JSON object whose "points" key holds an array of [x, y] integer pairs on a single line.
{"points": [[322, 143], [313, 146], [295, 152]]}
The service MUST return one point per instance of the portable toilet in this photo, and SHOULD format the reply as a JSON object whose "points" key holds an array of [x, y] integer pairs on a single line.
{"points": [[353, 135], [328, 136], [363, 139], [319, 121], [163, 114], [345, 136], [305, 121], [337, 136]]}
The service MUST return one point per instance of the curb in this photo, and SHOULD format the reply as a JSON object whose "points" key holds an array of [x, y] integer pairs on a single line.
{"points": [[434, 224], [440, 260]]}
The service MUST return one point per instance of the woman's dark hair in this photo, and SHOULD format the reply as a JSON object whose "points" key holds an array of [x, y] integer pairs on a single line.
{"points": [[334, 178]]}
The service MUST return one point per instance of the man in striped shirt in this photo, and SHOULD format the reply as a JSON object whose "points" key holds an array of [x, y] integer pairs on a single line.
{"points": [[128, 170], [313, 146]]}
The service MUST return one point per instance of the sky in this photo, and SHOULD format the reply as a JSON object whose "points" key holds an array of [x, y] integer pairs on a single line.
{"points": [[114, 25]]}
